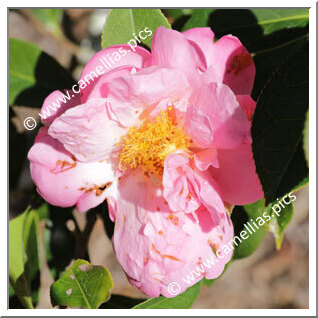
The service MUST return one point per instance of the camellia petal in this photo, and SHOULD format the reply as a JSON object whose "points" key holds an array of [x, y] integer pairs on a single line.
{"points": [[156, 247], [234, 64], [204, 37], [171, 48], [215, 118], [57, 103], [62, 180], [87, 131], [186, 188], [237, 177], [105, 60]]}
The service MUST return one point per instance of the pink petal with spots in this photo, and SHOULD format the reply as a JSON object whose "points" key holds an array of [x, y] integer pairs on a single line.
{"points": [[234, 64], [62, 180], [155, 247], [186, 188]]}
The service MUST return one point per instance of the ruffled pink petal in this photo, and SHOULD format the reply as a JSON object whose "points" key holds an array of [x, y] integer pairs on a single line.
{"points": [[108, 59], [186, 188], [57, 103], [87, 131], [237, 177], [150, 86], [156, 248], [173, 49], [100, 88], [204, 37], [203, 159], [147, 92], [248, 105], [62, 180], [234, 64], [215, 118]]}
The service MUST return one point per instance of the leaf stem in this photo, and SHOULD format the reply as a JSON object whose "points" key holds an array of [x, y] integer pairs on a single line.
{"points": [[281, 45]]}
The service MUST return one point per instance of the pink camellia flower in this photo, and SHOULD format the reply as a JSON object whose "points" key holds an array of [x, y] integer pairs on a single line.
{"points": [[165, 138]]}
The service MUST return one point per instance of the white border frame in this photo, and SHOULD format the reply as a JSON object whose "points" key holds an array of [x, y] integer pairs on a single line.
{"points": [[312, 173]]}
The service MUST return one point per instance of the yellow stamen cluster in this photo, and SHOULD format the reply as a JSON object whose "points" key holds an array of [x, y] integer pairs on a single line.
{"points": [[148, 146]]}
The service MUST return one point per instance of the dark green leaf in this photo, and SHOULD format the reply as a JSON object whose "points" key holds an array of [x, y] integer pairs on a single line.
{"points": [[122, 24], [182, 301], [277, 127], [268, 60], [241, 220], [59, 241], [43, 211], [268, 20], [24, 261], [199, 18], [177, 13], [276, 19], [121, 302], [82, 285], [33, 74]]}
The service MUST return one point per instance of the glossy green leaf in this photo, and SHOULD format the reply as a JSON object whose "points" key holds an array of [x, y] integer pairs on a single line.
{"points": [[268, 20], [176, 13], [82, 285], [280, 222], [277, 127], [50, 18], [24, 261], [122, 24], [276, 19], [267, 61], [33, 74], [242, 221], [199, 18], [121, 302], [182, 301]]}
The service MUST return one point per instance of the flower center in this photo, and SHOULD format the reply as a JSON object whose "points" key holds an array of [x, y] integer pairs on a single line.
{"points": [[148, 146]]}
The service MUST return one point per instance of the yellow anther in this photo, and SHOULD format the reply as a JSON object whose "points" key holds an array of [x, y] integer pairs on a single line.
{"points": [[148, 146]]}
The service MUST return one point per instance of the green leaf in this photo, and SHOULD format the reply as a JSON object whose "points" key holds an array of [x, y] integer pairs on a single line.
{"points": [[43, 211], [241, 220], [24, 261], [279, 223], [306, 138], [199, 18], [177, 13], [182, 301], [122, 24], [268, 60], [121, 302], [50, 18], [33, 74], [272, 20], [277, 127], [82, 285], [269, 20]]}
